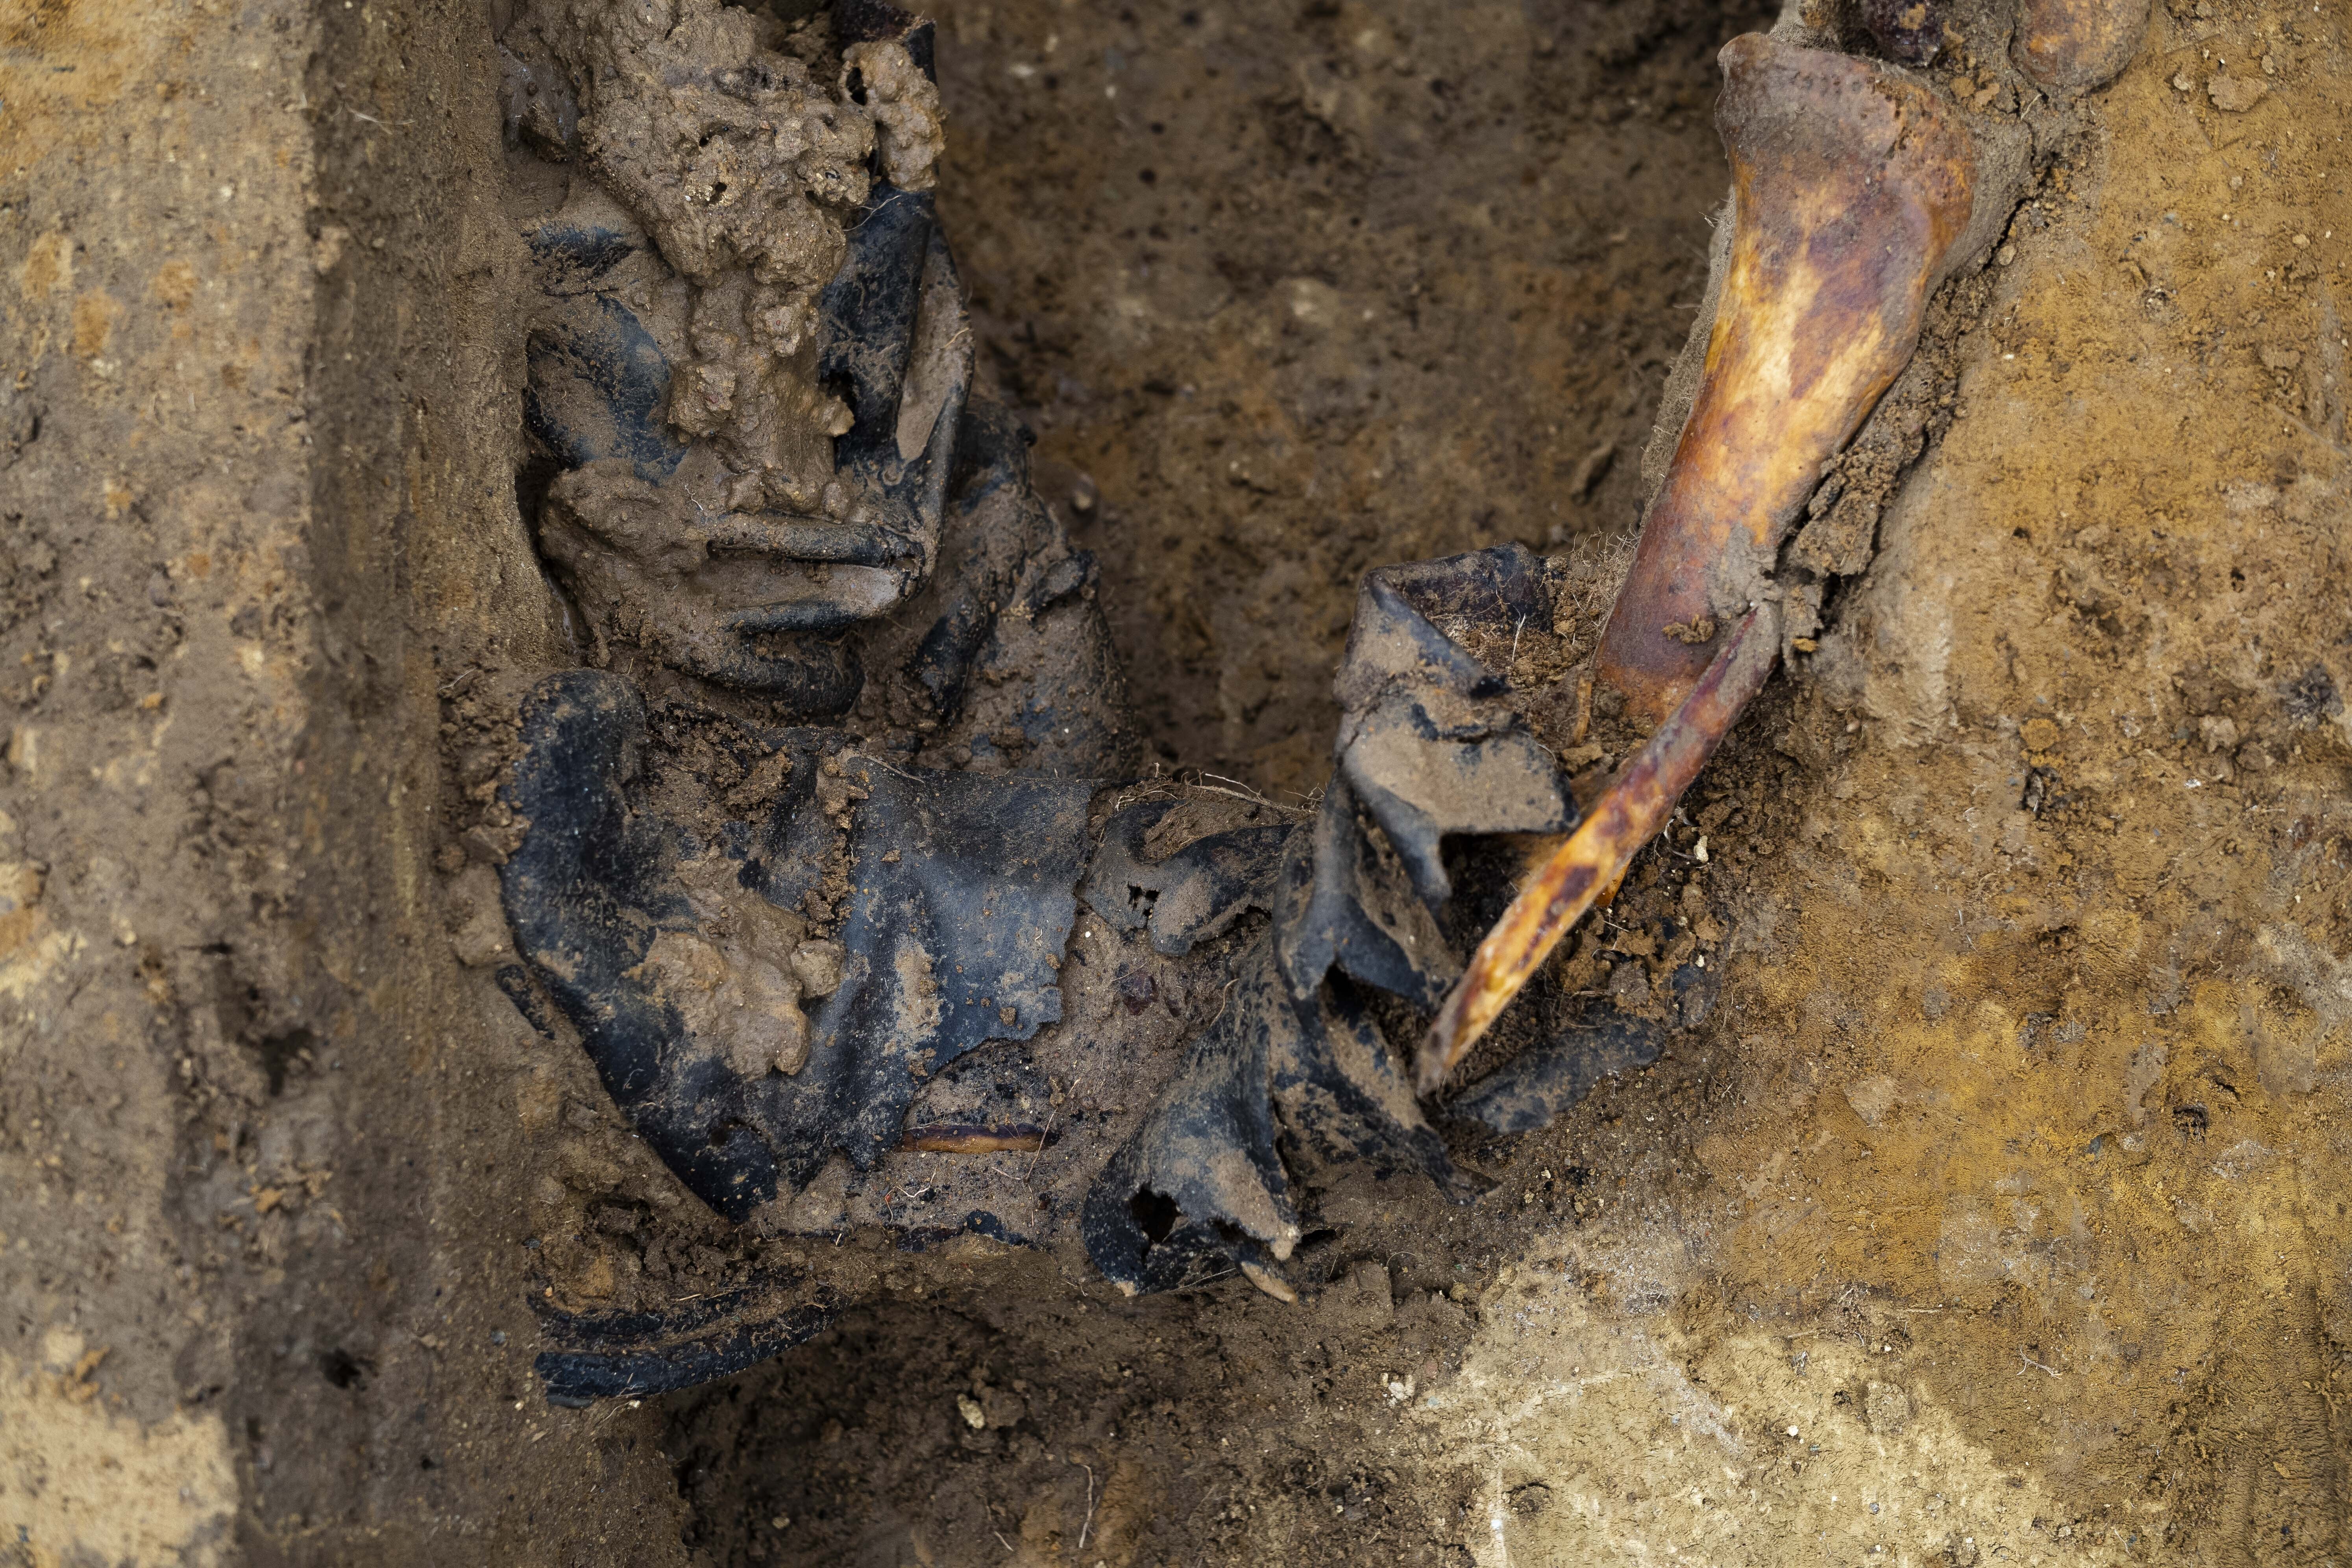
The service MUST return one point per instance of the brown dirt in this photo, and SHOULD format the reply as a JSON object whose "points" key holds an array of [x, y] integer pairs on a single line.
{"points": [[1997, 1214], [1300, 292]]}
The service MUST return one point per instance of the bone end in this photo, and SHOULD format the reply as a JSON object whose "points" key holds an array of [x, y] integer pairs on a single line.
{"points": [[1587, 866], [1851, 185], [2073, 46], [1815, 130]]}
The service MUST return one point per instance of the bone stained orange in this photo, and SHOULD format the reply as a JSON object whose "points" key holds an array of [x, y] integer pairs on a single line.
{"points": [[1587, 867], [1850, 184], [2076, 45], [962, 1138]]}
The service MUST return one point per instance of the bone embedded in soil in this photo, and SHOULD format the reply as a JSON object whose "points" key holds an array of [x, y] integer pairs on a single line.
{"points": [[1586, 867], [1850, 185]]}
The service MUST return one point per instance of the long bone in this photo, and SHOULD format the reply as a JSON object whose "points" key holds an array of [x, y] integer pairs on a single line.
{"points": [[1851, 183]]}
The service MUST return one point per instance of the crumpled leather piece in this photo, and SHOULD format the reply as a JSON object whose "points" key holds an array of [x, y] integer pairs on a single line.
{"points": [[1012, 595], [1348, 903], [1534, 1086], [960, 903], [1298, 1071], [1191, 895], [625, 1355], [884, 327], [598, 381], [1427, 741]]}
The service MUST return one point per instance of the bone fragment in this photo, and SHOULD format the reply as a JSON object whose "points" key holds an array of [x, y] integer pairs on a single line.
{"points": [[2073, 46], [965, 1138], [1587, 866], [1851, 182]]}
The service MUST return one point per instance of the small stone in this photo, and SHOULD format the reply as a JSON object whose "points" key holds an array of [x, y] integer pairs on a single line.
{"points": [[817, 965], [2236, 94], [975, 1416]]}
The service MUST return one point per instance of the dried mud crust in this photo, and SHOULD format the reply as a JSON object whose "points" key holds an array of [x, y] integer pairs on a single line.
{"points": [[673, 112]]}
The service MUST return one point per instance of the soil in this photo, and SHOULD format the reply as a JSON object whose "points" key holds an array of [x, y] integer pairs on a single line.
{"points": [[1997, 1212], [1287, 295]]}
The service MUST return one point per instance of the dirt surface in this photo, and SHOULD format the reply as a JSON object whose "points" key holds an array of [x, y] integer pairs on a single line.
{"points": [[1290, 294], [1996, 1213]]}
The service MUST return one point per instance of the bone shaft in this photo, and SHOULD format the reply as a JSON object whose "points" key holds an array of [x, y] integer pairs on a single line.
{"points": [[1628, 815], [955, 1139], [1849, 187]]}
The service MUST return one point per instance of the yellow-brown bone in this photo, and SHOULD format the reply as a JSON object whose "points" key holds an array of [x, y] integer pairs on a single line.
{"points": [[2073, 45], [1587, 866], [965, 1138], [1850, 183]]}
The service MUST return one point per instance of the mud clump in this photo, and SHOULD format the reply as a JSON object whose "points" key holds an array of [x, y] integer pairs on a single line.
{"points": [[740, 164], [905, 102]]}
